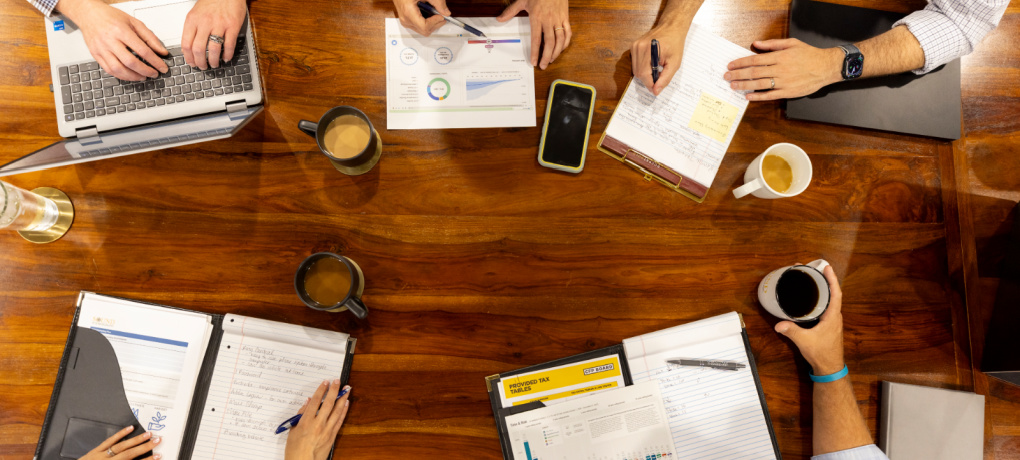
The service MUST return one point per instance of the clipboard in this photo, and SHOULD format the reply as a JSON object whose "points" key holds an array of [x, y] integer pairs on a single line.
{"points": [[89, 400], [500, 413], [647, 166]]}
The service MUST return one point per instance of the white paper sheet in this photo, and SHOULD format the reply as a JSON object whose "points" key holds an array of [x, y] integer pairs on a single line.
{"points": [[713, 414], [453, 79], [689, 126], [264, 372], [626, 423], [160, 352]]}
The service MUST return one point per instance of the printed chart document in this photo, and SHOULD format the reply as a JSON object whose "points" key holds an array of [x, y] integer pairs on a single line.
{"points": [[160, 351], [264, 372], [689, 126], [623, 424], [453, 79], [562, 383], [712, 413]]}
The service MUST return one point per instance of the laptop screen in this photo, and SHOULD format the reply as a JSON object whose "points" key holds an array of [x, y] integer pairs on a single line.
{"points": [[130, 141]]}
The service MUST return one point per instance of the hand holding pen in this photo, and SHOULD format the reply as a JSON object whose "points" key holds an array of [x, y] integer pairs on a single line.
{"points": [[411, 17], [426, 7], [666, 44], [314, 437]]}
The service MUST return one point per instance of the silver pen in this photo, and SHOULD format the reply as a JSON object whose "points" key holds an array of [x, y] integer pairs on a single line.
{"points": [[714, 364], [424, 6]]}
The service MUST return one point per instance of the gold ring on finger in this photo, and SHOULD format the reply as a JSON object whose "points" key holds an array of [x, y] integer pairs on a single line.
{"points": [[559, 28], [773, 82], [109, 451]]}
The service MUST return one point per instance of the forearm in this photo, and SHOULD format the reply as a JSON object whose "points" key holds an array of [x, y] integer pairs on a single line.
{"points": [[838, 423], [71, 8], [895, 51], [680, 13]]}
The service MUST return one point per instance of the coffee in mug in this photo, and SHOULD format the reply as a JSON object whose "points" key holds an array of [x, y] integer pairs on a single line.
{"points": [[331, 282], [798, 293], [781, 171], [777, 173], [346, 136]]}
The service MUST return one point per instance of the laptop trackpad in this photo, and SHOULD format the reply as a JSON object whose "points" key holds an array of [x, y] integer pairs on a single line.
{"points": [[166, 21]]}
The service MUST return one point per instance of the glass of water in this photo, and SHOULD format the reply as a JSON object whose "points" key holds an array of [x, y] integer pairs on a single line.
{"points": [[23, 210]]}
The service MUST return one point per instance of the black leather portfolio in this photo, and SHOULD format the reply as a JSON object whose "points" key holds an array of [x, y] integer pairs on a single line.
{"points": [[926, 105], [89, 403]]}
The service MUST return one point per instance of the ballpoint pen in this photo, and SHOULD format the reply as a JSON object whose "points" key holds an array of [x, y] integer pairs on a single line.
{"points": [[656, 68], [428, 8], [292, 422], [714, 364]]}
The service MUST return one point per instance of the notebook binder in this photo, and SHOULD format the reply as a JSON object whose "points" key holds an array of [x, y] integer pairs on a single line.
{"points": [[501, 413], [649, 168], [94, 403]]}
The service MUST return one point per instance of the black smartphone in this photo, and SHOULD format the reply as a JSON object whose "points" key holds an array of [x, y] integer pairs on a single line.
{"points": [[567, 122]]}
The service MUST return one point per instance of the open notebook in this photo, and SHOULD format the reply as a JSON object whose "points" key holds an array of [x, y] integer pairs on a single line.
{"points": [[679, 137], [213, 386], [708, 413]]}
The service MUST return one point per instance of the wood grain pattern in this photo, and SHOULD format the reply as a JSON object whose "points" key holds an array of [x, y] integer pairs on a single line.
{"points": [[479, 261]]}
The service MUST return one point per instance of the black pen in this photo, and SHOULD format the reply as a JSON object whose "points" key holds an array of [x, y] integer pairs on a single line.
{"points": [[716, 364], [656, 68], [428, 8]]}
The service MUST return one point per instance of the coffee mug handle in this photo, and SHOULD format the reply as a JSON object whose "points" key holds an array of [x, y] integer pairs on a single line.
{"points": [[356, 306], [749, 187], [309, 127], [819, 265]]}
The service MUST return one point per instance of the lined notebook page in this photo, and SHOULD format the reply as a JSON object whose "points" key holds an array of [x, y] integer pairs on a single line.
{"points": [[264, 371], [689, 126], [712, 413]]}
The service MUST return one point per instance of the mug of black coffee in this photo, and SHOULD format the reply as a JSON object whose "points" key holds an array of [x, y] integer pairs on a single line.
{"points": [[798, 293], [346, 136], [331, 282]]}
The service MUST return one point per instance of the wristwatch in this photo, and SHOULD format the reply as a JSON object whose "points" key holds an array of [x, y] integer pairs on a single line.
{"points": [[853, 62]]}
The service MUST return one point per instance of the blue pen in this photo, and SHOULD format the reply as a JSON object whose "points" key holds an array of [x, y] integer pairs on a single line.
{"points": [[656, 68], [292, 422], [428, 8]]}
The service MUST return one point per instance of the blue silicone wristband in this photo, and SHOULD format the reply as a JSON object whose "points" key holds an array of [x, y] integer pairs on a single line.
{"points": [[831, 377]]}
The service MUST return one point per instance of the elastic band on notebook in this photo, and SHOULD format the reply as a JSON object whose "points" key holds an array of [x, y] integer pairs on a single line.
{"points": [[831, 377]]}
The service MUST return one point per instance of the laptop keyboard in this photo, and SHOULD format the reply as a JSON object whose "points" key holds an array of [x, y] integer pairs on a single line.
{"points": [[87, 91]]}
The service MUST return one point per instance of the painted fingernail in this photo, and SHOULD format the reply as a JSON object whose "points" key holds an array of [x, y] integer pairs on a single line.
{"points": [[157, 439], [348, 388], [127, 428], [147, 435], [157, 456], [336, 381]]}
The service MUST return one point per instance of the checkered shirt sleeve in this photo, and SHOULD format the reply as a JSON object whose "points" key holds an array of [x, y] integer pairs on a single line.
{"points": [[46, 6], [948, 29]]}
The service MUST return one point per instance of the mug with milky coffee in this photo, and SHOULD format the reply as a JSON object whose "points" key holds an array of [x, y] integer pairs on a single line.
{"points": [[346, 136], [331, 282]]}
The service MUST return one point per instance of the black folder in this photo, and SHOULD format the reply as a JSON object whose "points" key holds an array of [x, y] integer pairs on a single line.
{"points": [[89, 404], [500, 413]]}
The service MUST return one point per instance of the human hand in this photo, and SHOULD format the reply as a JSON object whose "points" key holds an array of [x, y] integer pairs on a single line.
{"points": [[222, 18], [314, 435], [411, 17], [549, 22], [822, 345], [111, 35], [671, 39], [797, 68], [125, 450]]}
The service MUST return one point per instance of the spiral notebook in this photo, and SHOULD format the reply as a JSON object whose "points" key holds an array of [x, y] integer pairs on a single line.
{"points": [[679, 138]]}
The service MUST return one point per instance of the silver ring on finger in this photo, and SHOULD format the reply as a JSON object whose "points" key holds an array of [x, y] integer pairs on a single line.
{"points": [[773, 80], [560, 28], [216, 39], [109, 451]]}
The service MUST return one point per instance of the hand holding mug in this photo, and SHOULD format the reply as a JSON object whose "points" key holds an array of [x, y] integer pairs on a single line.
{"points": [[822, 345]]}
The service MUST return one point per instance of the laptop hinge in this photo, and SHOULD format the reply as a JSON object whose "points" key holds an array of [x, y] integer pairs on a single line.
{"points": [[237, 109], [88, 136]]}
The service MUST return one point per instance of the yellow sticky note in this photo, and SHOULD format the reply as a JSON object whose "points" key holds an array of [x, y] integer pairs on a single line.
{"points": [[713, 117]]}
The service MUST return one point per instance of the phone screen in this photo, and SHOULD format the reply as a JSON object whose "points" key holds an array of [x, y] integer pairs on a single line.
{"points": [[567, 125]]}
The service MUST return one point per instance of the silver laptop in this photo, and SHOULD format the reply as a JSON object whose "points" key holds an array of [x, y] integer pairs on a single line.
{"points": [[93, 107]]}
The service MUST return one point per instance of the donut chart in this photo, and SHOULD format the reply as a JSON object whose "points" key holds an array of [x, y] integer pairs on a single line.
{"points": [[438, 89]]}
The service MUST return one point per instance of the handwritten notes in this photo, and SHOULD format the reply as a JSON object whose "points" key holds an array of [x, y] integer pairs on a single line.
{"points": [[712, 413], [688, 126], [713, 117], [264, 372]]}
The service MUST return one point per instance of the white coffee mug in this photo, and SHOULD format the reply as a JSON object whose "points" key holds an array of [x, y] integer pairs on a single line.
{"points": [[769, 297], [754, 180]]}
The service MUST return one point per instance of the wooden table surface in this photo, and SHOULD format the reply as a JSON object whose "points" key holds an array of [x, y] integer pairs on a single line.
{"points": [[478, 260]]}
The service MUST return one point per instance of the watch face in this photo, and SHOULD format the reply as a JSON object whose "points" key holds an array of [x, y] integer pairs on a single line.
{"points": [[854, 66]]}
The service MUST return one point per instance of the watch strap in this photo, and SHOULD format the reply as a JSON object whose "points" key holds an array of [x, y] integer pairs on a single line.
{"points": [[849, 49]]}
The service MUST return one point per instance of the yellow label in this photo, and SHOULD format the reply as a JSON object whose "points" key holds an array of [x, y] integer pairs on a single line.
{"points": [[566, 394], [713, 117], [578, 374]]}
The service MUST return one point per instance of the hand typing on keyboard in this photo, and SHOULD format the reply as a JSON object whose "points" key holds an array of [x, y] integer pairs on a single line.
{"points": [[112, 35], [222, 18]]}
